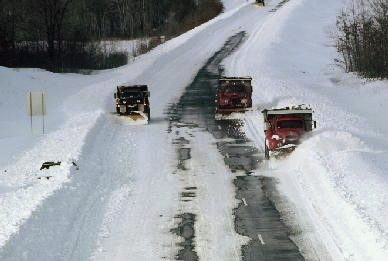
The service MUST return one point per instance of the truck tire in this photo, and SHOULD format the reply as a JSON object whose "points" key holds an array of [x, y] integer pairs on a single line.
{"points": [[148, 115], [266, 152]]}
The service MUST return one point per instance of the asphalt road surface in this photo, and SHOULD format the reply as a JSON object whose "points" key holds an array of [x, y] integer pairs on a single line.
{"points": [[256, 217]]}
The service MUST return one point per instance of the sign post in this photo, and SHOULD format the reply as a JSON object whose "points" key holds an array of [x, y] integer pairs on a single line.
{"points": [[36, 104]]}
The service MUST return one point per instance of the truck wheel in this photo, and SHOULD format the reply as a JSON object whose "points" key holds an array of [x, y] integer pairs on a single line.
{"points": [[266, 152]]}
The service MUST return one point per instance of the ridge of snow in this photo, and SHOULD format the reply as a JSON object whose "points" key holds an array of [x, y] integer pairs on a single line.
{"points": [[336, 180]]}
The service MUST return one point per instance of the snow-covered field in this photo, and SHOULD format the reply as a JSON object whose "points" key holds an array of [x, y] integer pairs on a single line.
{"points": [[336, 180]]}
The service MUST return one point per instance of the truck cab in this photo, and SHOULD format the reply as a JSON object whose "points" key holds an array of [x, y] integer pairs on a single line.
{"points": [[285, 131], [285, 127], [260, 2], [234, 94]]}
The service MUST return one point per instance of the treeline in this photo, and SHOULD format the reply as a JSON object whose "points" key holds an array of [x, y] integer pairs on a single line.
{"points": [[363, 38], [60, 34]]}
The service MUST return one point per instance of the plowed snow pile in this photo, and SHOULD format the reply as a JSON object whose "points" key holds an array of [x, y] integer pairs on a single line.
{"points": [[336, 180]]}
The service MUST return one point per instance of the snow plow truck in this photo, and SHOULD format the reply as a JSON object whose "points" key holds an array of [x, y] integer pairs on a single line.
{"points": [[133, 101], [285, 127], [260, 2], [234, 94]]}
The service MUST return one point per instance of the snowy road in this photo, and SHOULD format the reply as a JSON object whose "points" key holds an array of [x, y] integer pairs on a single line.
{"points": [[186, 186]]}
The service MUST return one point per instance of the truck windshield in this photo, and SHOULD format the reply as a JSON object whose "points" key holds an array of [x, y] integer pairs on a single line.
{"points": [[234, 88], [290, 124], [134, 95]]}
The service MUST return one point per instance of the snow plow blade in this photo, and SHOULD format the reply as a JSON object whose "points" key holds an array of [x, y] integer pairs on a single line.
{"points": [[136, 116], [231, 114], [133, 118], [283, 151]]}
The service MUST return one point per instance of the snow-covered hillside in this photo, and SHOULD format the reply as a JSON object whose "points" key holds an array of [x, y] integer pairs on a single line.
{"points": [[336, 181]]}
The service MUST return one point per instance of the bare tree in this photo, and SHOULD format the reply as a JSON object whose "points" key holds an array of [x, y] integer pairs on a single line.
{"points": [[52, 12], [10, 22], [363, 38], [123, 9]]}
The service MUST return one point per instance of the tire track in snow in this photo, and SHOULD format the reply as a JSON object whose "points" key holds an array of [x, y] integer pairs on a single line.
{"points": [[251, 126], [64, 226], [265, 32], [138, 223]]}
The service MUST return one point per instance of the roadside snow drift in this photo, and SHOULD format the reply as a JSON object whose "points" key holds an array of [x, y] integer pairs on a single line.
{"points": [[336, 181]]}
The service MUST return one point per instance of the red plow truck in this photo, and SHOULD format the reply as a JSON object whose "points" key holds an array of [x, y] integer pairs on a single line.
{"points": [[234, 94], [285, 127]]}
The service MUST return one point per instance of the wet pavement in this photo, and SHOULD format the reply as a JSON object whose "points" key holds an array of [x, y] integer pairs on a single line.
{"points": [[256, 216], [185, 229]]}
